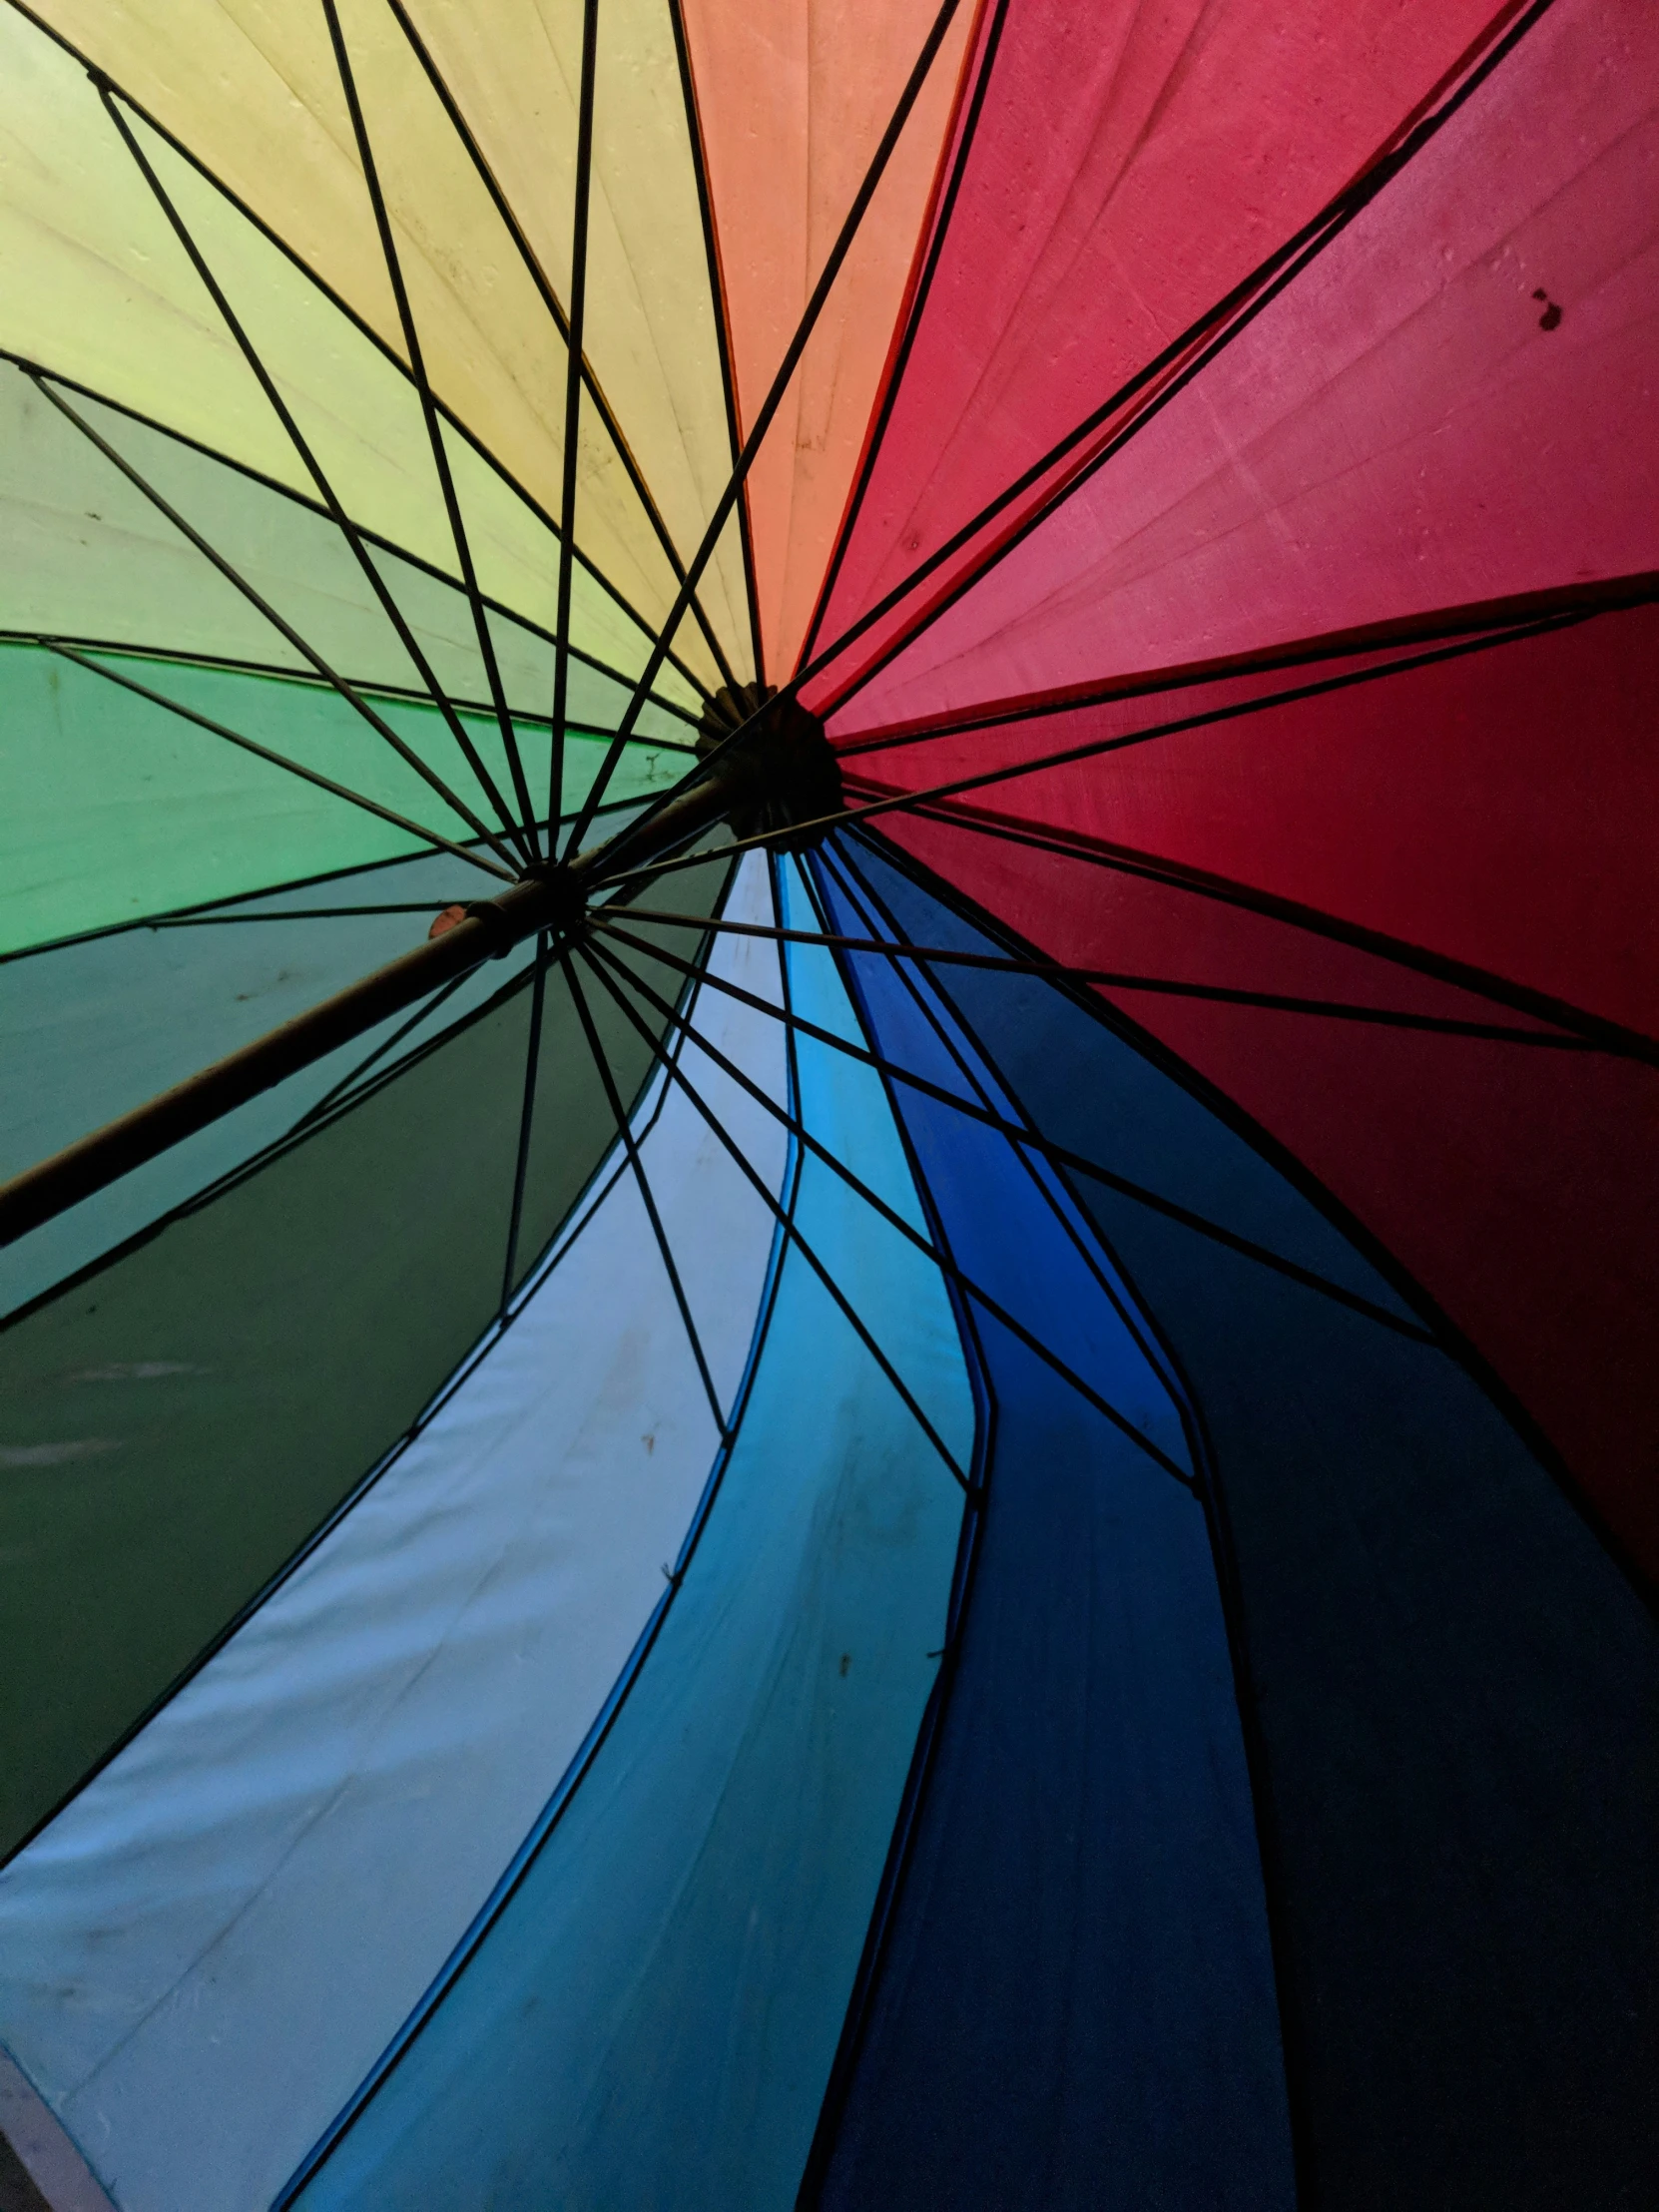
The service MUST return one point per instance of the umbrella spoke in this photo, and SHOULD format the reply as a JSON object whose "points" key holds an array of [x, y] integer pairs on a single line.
{"points": [[1607, 1036], [341, 1091], [783, 1215], [301, 446], [912, 322], [723, 338], [1597, 1032], [775, 396], [434, 428], [1499, 621], [1056, 971], [1080, 1244], [573, 409], [942, 1260], [278, 760], [521, 1163], [1159, 382], [1058, 1154], [285, 629], [629, 1145], [568, 327]]}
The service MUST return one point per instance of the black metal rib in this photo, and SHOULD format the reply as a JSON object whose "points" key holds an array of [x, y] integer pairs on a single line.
{"points": [[716, 295], [1609, 1036], [1083, 1245], [942, 1260], [1057, 1155], [376, 538], [1242, 303], [1211, 335], [1498, 619], [1056, 973], [380, 686], [780, 384], [1087, 1247], [1606, 1036], [573, 407], [629, 1146], [277, 760], [913, 324], [781, 1215], [301, 446], [569, 329], [342, 1092], [434, 428], [1096, 748], [283, 628], [526, 1119], [364, 328]]}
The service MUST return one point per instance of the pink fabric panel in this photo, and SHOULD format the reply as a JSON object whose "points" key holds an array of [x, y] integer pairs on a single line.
{"points": [[1501, 809], [1408, 426], [1518, 1186], [1131, 165], [791, 104]]}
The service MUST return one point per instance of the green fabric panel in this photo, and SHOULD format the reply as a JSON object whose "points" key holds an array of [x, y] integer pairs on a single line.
{"points": [[112, 808], [174, 1426]]}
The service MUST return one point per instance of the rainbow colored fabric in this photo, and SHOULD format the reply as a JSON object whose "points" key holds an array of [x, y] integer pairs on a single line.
{"points": [[964, 1519]]}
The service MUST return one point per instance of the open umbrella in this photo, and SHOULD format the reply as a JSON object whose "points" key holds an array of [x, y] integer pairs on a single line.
{"points": [[829, 1004]]}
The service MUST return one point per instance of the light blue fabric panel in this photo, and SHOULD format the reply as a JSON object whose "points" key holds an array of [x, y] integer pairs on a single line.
{"points": [[651, 2019], [208, 1947]]}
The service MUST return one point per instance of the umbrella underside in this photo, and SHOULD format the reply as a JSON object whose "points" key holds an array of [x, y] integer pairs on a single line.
{"points": [[834, 826]]}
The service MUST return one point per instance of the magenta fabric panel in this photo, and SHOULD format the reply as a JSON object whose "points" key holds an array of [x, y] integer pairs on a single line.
{"points": [[1456, 401], [1129, 166], [1499, 807], [1518, 1184]]}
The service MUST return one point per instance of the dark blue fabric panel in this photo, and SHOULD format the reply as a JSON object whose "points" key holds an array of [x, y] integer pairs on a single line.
{"points": [[1455, 1691], [1076, 2006]]}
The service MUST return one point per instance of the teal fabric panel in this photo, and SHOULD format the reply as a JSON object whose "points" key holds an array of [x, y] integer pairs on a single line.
{"points": [[651, 2019]]}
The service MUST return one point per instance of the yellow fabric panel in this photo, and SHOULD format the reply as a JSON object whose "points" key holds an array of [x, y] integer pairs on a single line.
{"points": [[99, 289], [794, 100], [514, 69], [83, 554], [362, 418], [255, 92], [95, 283]]}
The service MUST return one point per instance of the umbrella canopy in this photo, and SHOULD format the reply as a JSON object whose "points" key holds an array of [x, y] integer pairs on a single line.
{"points": [[828, 971]]}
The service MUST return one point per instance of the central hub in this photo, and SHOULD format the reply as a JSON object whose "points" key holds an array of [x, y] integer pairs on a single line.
{"points": [[781, 772]]}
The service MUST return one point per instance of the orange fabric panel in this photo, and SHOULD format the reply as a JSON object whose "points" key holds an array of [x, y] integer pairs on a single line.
{"points": [[793, 96]]}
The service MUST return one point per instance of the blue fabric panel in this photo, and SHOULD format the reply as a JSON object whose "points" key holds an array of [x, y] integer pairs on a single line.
{"points": [[1075, 2004], [1455, 1691], [651, 2018]]}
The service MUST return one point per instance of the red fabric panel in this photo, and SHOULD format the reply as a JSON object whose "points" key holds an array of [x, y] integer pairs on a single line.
{"points": [[1406, 427], [1518, 1186], [1501, 809], [1131, 165]]}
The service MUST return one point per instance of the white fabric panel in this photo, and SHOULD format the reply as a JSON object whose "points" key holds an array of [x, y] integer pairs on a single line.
{"points": [[212, 1945]]}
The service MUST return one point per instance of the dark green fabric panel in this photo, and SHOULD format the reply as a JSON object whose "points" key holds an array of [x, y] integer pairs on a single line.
{"points": [[177, 1424]]}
